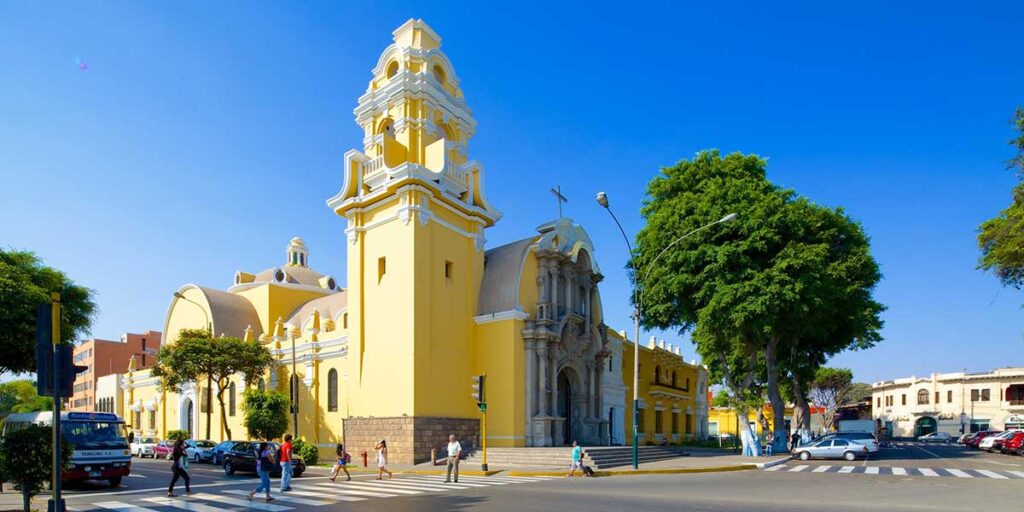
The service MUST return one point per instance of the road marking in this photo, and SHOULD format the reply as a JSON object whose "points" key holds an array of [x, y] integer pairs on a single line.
{"points": [[1017, 473], [775, 468], [847, 469], [991, 474], [256, 503], [927, 472], [413, 485], [123, 507], [285, 498], [958, 473], [899, 471], [182, 504], [321, 494], [821, 469], [368, 486], [871, 470], [797, 469], [359, 492], [442, 482]]}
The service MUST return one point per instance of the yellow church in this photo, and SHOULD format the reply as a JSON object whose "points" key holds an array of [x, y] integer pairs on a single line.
{"points": [[424, 307]]}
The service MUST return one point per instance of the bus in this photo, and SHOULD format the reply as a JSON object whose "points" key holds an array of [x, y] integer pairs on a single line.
{"points": [[100, 447]]}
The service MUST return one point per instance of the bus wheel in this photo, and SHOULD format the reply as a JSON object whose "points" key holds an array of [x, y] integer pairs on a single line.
{"points": [[114, 481]]}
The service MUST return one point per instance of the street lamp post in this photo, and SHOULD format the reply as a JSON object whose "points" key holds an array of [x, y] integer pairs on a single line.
{"points": [[602, 199], [209, 378], [295, 391]]}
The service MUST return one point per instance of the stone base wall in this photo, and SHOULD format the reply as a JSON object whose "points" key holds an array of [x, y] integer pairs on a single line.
{"points": [[410, 439]]}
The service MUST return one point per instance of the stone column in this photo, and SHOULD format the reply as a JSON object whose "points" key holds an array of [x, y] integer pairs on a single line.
{"points": [[531, 390], [553, 375], [542, 382], [549, 270]]}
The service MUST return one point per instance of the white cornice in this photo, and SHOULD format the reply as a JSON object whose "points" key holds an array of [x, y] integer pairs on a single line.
{"points": [[511, 314]]}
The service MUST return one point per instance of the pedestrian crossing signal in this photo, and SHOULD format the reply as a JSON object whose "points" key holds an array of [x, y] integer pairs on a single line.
{"points": [[478, 389]]}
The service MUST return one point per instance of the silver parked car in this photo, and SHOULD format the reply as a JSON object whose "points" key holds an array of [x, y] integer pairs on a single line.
{"points": [[832, 448], [936, 437]]}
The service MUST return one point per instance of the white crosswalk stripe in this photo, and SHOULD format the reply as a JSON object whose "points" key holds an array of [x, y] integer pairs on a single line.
{"points": [[957, 472], [871, 470], [899, 471], [797, 469], [821, 469], [847, 469], [311, 493], [775, 468], [991, 474], [883, 471], [1017, 473], [927, 472]]}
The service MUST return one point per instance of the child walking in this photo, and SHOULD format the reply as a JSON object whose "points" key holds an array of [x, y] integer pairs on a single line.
{"points": [[341, 463]]}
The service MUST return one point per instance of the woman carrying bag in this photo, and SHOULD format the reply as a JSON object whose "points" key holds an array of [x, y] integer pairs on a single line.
{"points": [[179, 468]]}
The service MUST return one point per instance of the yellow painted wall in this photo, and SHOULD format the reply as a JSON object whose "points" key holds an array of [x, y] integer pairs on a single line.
{"points": [[667, 361]]}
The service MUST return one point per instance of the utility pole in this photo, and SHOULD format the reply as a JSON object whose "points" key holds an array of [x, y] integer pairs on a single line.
{"points": [[295, 392], [56, 503]]}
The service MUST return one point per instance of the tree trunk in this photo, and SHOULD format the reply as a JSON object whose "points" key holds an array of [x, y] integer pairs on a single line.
{"points": [[209, 405], [223, 414], [802, 411], [751, 448], [26, 498], [775, 397]]}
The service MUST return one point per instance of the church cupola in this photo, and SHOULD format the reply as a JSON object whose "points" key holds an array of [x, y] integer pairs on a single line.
{"points": [[298, 255]]}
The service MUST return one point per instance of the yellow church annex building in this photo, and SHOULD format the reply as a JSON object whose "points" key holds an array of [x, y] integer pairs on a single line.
{"points": [[425, 307]]}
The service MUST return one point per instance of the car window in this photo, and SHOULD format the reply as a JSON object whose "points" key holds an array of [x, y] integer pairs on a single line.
{"points": [[204, 444], [242, 447], [840, 442]]}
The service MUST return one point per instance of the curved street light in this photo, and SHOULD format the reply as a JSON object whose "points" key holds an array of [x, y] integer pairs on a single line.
{"points": [[602, 199]]}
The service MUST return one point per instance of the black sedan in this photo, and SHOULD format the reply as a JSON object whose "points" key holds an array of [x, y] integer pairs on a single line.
{"points": [[241, 457]]}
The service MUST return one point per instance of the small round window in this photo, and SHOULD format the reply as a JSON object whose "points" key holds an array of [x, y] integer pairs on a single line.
{"points": [[280, 276], [392, 69], [330, 283]]}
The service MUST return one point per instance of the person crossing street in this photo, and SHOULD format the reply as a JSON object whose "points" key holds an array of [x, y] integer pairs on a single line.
{"points": [[454, 453], [286, 464]]}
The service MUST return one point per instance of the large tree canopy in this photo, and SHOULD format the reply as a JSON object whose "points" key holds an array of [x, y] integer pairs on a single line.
{"points": [[1001, 238], [768, 296], [24, 284]]}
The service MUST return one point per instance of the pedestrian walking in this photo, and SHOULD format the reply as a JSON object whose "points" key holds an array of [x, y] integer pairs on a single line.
{"points": [[794, 441], [264, 462], [382, 459], [179, 468], [454, 452], [286, 463], [577, 459], [341, 463]]}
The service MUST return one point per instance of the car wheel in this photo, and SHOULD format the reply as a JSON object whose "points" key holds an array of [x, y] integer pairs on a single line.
{"points": [[805, 455], [850, 456], [228, 468], [114, 481], [297, 474]]}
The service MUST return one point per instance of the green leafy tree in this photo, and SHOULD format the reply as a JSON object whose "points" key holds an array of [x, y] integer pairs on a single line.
{"points": [[1001, 238], [786, 272], [721, 399], [26, 458], [24, 284], [830, 390], [19, 396], [858, 391], [266, 414], [195, 354]]}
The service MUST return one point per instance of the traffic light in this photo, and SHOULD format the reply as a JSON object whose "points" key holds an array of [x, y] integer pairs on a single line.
{"points": [[44, 350], [68, 370], [478, 390]]}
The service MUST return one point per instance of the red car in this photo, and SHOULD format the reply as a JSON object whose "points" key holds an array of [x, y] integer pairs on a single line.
{"points": [[1015, 444], [163, 450], [974, 441]]}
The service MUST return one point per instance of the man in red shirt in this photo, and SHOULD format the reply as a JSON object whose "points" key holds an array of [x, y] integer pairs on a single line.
{"points": [[286, 464]]}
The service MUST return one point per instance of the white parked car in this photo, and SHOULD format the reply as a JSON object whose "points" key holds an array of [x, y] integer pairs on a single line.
{"points": [[832, 448], [936, 437], [143, 447]]}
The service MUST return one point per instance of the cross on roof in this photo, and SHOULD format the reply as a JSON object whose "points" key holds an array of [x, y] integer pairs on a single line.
{"points": [[557, 192]]}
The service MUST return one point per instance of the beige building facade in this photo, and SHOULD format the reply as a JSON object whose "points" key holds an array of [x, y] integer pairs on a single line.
{"points": [[950, 402]]}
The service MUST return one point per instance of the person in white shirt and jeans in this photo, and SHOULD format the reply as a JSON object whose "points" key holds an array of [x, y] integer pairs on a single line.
{"points": [[454, 452]]}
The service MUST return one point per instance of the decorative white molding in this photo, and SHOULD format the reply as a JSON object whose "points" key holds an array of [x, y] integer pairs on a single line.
{"points": [[511, 314]]}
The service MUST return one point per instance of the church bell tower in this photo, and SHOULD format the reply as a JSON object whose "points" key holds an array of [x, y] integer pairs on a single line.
{"points": [[415, 211]]}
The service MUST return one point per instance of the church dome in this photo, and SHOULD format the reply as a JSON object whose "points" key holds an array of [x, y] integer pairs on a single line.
{"points": [[295, 271]]}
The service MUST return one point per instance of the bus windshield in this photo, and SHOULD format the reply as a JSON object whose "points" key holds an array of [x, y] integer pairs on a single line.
{"points": [[94, 435]]}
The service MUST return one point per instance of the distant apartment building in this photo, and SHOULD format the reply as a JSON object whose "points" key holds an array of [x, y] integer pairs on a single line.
{"points": [[950, 402], [106, 357]]}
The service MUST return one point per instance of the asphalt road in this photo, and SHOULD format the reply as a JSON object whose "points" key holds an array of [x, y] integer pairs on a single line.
{"points": [[778, 490]]}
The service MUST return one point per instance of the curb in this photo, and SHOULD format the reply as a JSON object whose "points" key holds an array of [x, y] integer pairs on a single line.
{"points": [[779, 462], [627, 472]]}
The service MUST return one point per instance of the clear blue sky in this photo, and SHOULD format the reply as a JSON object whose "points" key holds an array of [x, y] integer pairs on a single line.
{"points": [[203, 136]]}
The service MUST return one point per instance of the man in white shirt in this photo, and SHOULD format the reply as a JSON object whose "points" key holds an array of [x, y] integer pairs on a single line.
{"points": [[454, 452]]}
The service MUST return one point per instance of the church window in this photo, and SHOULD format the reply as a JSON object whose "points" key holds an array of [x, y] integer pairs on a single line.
{"points": [[675, 422], [332, 390], [673, 379], [439, 74], [344, 321], [382, 268], [610, 360], [231, 399], [657, 421], [687, 384], [280, 276], [657, 374], [922, 397], [152, 420], [261, 385], [448, 270], [392, 69]]}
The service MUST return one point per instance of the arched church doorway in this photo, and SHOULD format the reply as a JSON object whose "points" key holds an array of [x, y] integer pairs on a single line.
{"points": [[564, 408], [924, 426], [186, 417]]}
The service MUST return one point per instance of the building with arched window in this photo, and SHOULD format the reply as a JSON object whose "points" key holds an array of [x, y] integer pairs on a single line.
{"points": [[425, 305]]}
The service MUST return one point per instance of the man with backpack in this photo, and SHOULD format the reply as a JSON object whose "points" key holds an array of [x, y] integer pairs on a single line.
{"points": [[286, 463]]}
